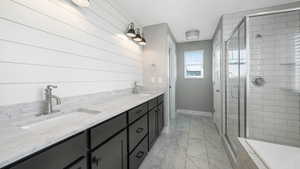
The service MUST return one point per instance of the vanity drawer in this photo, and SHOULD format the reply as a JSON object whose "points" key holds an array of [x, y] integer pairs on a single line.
{"points": [[58, 156], [137, 112], [137, 131], [152, 103], [160, 99], [107, 129], [139, 154], [79, 165]]}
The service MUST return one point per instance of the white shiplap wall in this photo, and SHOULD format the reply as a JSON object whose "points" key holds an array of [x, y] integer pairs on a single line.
{"points": [[82, 50]]}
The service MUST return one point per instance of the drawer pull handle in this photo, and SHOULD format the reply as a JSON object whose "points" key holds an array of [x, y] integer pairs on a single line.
{"points": [[140, 154], [96, 161], [139, 130], [139, 111]]}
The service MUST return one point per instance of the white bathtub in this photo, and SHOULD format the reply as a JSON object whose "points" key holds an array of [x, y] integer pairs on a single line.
{"points": [[276, 156]]}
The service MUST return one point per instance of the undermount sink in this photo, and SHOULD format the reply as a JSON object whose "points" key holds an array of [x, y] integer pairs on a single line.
{"points": [[63, 120]]}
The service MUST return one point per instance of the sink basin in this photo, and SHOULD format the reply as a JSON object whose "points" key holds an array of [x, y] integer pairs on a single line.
{"points": [[63, 120]]}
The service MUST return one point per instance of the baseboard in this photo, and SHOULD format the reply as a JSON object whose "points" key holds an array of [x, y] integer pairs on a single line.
{"points": [[193, 112]]}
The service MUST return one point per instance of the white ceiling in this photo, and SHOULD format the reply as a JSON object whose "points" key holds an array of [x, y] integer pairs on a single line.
{"points": [[182, 15]]}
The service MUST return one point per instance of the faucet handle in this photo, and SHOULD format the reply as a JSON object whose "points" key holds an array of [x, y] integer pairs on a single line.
{"points": [[51, 86]]}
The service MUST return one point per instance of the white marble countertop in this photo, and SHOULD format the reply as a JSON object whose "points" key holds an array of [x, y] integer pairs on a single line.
{"points": [[17, 143], [276, 156]]}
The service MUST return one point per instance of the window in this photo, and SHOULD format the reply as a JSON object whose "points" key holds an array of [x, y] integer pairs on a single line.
{"points": [[193, 64]]}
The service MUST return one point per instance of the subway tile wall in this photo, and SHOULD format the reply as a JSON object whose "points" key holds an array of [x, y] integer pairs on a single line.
{"points": [[273, 110]]}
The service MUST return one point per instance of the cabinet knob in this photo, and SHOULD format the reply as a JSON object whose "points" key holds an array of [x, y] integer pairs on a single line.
{"points": [[96, 161], [139, 130], [140, 154], [138, 112]]}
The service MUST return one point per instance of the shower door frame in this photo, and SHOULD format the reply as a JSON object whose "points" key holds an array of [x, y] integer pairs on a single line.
{"points": [[243, 21], [247, 18]]}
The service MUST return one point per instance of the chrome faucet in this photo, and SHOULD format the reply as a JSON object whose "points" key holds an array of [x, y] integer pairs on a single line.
{"points": [[49, 97], [135, 89]]}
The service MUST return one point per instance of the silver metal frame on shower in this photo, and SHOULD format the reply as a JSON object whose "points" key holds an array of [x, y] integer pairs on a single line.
{"points": [[273, 12], [245, 87], [246, 20]]}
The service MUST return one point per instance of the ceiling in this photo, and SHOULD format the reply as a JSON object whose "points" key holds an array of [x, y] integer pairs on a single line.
{"points": [[183, 15]]}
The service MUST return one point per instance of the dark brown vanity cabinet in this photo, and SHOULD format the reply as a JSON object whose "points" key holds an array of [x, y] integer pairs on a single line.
{"points": [[137, 131], [118, 143], [153, 132], [112, 154], [152, 104], [108, 144], [138, 155], [137, 112], [105, 130], [156, 120], [59, 156], [81, 164], [160, 117]]}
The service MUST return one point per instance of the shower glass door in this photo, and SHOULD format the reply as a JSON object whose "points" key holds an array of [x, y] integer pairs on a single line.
{"points": [[232, 86], [236, 74], [242, 79]]}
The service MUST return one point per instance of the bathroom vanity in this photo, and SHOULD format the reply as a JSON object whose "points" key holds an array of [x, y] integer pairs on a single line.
{"points": [[117, 140]]}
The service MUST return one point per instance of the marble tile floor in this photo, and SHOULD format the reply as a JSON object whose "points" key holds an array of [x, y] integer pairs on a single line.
{"points": [[191, 143]]}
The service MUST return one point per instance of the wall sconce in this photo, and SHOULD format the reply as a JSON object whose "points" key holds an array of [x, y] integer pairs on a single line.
{"points": [[138, 36], [143, 41], [131, 32], [82, 3], [135, 35]]}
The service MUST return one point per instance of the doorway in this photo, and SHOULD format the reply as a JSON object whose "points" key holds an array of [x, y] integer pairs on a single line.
{"points": [[217, 81]]}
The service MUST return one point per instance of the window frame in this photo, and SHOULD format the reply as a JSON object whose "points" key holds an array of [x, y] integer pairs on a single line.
{"points": [[184, 65]]}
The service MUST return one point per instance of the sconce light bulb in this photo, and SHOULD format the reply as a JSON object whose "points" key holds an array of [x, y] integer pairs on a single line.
{"points": [[82, 3]]}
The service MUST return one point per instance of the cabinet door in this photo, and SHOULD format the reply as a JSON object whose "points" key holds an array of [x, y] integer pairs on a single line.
{"points": [[79, 165], [111, 155], [58, 156], [160, 117], [152, 127]]}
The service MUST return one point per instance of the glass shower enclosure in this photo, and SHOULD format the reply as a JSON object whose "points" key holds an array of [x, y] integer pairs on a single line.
{"points": [[263, 79], [236, 78]]}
